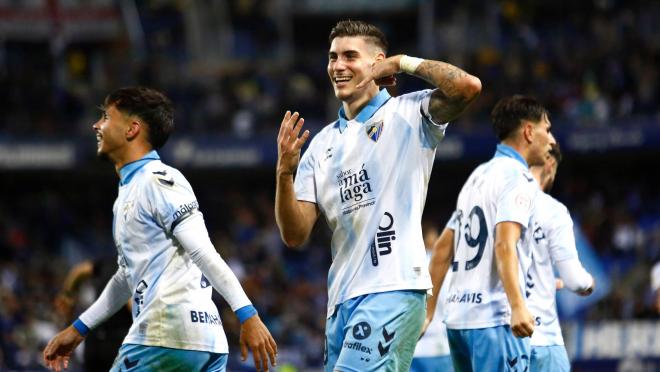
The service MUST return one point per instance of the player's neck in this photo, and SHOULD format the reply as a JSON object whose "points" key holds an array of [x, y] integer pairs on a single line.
{"points": [[129, 155], [520, 148], [353, 107]]}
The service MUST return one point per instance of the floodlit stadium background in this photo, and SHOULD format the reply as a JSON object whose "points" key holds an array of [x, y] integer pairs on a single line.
{"points": [[232, 67]]}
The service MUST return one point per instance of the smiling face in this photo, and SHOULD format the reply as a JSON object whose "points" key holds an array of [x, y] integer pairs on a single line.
{"points": [[349, 61], [112, 131]]}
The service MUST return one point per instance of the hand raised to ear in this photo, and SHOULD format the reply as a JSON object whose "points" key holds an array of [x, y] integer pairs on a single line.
{"points": [[382, 72]]}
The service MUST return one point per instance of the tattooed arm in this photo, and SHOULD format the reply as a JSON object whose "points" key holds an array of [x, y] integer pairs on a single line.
{"points": [[456, 89]]}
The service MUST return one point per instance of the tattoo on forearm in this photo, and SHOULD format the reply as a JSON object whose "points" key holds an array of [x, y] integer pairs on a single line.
{"points": [[442, 75], [450, 99]]}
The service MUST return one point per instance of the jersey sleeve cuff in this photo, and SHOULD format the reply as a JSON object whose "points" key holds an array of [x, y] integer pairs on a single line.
{"points": [[245, 313], [80, 327]]}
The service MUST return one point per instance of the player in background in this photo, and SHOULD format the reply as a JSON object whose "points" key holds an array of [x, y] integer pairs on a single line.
{"points": [[368, 172], [102, 344], [432, 350], [553, 245], [488, 322], [167, 263]]}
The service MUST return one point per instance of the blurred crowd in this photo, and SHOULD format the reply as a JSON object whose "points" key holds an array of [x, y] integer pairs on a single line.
{"points": [[56, 220], [233, 67]]}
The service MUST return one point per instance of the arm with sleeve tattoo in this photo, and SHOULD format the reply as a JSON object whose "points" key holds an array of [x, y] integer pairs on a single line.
{"points": [[456, 89]]}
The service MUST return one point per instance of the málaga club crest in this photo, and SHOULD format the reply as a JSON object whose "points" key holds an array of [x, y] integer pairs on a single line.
{"points": [[374, 130]]}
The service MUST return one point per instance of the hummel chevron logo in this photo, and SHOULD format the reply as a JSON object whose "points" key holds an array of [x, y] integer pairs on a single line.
{"points": [[169, 182], [130, 364], [512, 362], [388, 336], [383, 349], [165, 182]]}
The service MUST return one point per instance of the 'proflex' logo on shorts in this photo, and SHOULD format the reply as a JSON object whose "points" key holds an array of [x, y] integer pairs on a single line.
{"points": [[382, 243], [357, 346]]}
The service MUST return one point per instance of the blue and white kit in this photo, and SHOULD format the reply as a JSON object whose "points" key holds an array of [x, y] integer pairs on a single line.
{"points": [[553, 245], [167, 264], [500, 190], [369, 177]]}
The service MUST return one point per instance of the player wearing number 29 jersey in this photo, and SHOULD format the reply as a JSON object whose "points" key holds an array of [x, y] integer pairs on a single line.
{"points": [[500, 190], [485, 246]]}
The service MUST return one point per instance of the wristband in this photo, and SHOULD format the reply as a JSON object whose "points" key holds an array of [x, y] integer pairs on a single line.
{"points": [[409, 64], [81, 327], [245, 313]]}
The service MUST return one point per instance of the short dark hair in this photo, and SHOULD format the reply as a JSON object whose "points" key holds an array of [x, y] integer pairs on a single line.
{"points": [[151, 106], [555, 152], [509, 112], [359, 28]]}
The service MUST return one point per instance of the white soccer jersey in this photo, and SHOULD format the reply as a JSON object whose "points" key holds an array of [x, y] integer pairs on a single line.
{"points": [[552, 241], [171, 298], [500, 190], [369, 176], [434, 343]]}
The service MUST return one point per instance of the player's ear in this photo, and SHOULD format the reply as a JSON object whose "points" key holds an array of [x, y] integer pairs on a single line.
{"points": [[134, 129], [528, 131]]}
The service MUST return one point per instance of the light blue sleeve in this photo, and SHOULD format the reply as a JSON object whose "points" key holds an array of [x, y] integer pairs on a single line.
{"points": [[432, 129], [415, 108]]}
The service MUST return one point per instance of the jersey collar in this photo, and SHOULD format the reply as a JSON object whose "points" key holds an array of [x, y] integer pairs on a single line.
{"points": [[366, 112], [508, 152], [127, 172]]}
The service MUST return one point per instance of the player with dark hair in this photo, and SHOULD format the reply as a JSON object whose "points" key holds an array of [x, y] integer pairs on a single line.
{"points": [[368, 173], [553, 247], [167, 263], [485, 245]]}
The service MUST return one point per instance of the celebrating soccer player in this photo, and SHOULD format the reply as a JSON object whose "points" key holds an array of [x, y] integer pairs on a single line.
{"points": [[488, 322], [553, 245], [368, 172], [167, 263]]}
